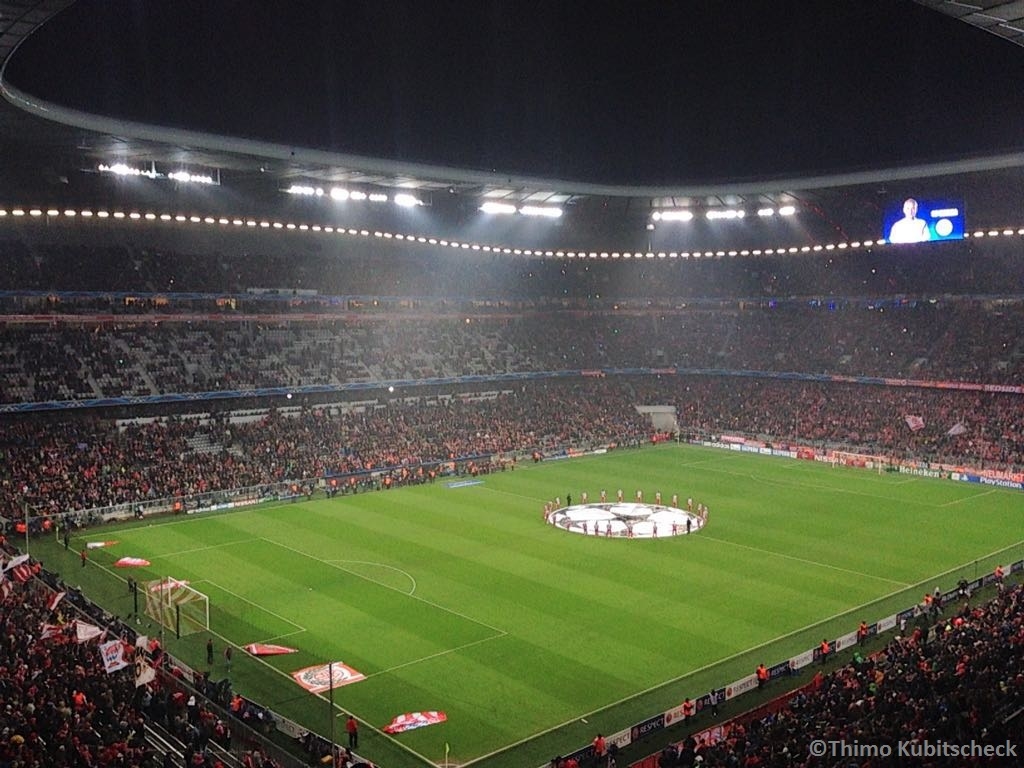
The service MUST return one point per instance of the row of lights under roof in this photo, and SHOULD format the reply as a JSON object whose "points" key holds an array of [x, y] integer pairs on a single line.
{"points": [[340, 194], [684, 214], [584, 254]]}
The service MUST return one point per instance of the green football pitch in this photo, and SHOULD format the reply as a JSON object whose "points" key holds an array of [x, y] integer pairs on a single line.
{"points": [[463, 600]]}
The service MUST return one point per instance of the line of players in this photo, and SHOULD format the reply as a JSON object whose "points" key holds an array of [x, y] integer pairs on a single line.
{"points": [[701, 510]]}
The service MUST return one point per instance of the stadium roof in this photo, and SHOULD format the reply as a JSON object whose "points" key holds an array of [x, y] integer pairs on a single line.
{"points": [[43, 143], [1004, 18]]}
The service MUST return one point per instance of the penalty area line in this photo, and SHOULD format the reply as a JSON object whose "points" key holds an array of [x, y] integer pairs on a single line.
{"points": [[259, 607], [379, 565], [329, 564]]}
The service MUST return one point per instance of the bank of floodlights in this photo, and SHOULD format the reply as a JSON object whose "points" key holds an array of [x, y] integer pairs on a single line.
{"points": [[507, 209]]}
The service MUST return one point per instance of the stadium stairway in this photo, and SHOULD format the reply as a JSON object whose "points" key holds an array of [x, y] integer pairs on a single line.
{"points": [[203, 443], [164, 742]]}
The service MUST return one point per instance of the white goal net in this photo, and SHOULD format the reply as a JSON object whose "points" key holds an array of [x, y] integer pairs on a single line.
{"points": [[177, 606]]}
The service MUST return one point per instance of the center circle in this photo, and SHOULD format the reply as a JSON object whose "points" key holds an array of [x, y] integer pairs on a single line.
{"points": [[634, 520]]}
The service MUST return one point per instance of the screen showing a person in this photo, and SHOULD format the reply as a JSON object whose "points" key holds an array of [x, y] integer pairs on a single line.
{"points": [[916, 220]]}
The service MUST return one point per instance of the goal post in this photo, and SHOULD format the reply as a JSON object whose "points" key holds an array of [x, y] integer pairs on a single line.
{"points": [[178, 607]]}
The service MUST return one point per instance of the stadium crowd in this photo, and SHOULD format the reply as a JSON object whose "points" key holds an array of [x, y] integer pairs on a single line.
{"points": [[59, 708], [57, 705], [963, 684], [175, 259], [961, 341], [67, 464]]}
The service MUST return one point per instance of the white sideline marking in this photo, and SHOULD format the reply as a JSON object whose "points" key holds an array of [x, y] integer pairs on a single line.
{"points": [[328, 563], [804, 560], [968, 498], [736, 655], [379, 565], [250, 602], [204, 549], [812, 486]]}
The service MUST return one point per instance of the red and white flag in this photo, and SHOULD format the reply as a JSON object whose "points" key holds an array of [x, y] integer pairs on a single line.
{"points": [[165, 584], [84, 632], [412, 720], [14, 562], [21, 573], [100, 544], [6, 587], [266, 649], [50, 630], [144, 673], [131, 562], [915, 423], [54, 600], [113, 653], [321, 677]]}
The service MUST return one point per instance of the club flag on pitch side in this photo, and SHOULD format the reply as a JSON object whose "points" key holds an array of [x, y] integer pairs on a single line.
{"points": [[131, 562], [99, 544], [268, 649], [320, 678], [915, 423], [113, 654], [144, 673], [412, 720]]}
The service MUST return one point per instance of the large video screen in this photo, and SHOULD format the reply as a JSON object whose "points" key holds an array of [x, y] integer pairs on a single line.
{"points": [[916, 220]]}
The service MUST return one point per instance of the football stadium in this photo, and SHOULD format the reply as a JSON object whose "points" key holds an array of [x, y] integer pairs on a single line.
{"points": [[362, 451]]}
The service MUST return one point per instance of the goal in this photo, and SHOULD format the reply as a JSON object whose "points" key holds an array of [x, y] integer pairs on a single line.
{"points": [[177, 606]]}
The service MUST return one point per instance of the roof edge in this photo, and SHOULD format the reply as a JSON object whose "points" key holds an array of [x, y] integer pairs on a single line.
{"points": [[441, 174]]}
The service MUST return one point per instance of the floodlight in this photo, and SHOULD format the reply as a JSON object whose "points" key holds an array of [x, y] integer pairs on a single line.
{"points": [[379, 197], [678, 215], [787, 210], [765, 211], [549, 212], [405, 200], [497, 208], [726, 213], [337, 193]]}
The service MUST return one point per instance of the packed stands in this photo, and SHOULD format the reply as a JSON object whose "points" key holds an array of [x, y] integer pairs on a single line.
{"points": [[95, 358], [959, 682]]}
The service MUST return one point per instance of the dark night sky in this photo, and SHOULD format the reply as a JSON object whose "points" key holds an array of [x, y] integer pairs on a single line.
{"points": [[631, 92]]}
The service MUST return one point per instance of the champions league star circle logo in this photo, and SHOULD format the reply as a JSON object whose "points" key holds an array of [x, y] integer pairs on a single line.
{"points": [[627, 520]]}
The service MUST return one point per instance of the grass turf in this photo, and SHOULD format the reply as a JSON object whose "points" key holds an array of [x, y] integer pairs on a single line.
{"points": [[463, 600]]}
